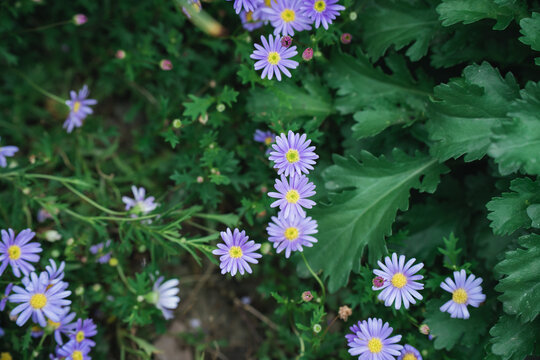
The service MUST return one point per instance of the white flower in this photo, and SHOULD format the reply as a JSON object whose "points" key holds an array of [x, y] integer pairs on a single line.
{"points": [[165, 296]]}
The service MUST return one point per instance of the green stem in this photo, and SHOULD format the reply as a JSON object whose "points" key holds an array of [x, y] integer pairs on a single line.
{"points": [[39, 88], [124, 279], [48, 26], [40, 345], [90, 201], [315, 276]]}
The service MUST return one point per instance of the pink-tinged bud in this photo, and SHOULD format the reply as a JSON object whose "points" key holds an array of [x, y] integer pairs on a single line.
{"points": [[346, 38], [286, 41], [307, 296], [344, 312], [165, 65], [264, 189], [200, 179], [378, 281], [120, 54], [80, 19], [424, 329], [307, 54]]}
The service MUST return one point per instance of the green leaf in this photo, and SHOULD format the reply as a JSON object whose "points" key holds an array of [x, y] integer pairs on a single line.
{"points": [[388, 23], [513, 340], [521, 285], [198, 106], [370, 122], [530, 29], [366, 195], [533, 212], [516, 143], [454, 11], [464, 111], [448, 332], [509, 212], [228, 96], [171, 137]]}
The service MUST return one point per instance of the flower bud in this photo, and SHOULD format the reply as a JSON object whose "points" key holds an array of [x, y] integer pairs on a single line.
{"points": [[353, 16], [307, 54], [317, 328], [52, 235], [96, 287], [177, 123], [165, 65], [80, 19], [113, 262], [378, 281], [424, 329], [70, 242], [55, 253], [286, 41], [307, 296], [120, 54], [220, 107], [346, 38], [200, 179], [265, 248], [203, 119], [79, 290]]}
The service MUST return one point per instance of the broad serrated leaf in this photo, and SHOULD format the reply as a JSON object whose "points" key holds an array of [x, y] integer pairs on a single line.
{"points": [[521, 285], [365, 197], [370, 122], [467, 11], [228, 96], [533, 212], [465, 110], [197, 106], [530, 29], [509, 212], [388, 23], [516, 142], [448, 332], [513, 340]]}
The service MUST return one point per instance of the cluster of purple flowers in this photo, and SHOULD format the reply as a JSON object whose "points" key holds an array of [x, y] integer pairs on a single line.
{"points": [[42, 297], [286, 16]]}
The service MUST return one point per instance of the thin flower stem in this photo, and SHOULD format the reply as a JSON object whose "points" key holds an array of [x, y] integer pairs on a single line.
{"points": [[40, 89], [300, 340], [315, 276], [90, 201], [124, 279], [48, 26], [40, 345], [329, 326]]}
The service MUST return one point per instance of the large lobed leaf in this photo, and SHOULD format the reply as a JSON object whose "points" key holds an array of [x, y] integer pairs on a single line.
{"points": [[509, 212], [530, 29], [365, 197], [513, 340], [516, 143], [521, 285], [466, 109]]}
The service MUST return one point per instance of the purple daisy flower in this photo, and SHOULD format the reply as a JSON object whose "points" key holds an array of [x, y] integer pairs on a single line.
{"points": [[246, 5], [56, 274], [74, 350], [465, 291], [292, 154], [39, 300], [43, 215], [372, 341], [4, 299], [165, 296], [140, 204], [250, 21], [237, 252], [354, 329], [83, 331], [273, 58], [18, 251], [98, 249], [64, 326], [6, 151], [322, 11], [286, 16], [409, 353], [399, 281], [79, 107], [265, 137], [293, 195], [291, 233]]}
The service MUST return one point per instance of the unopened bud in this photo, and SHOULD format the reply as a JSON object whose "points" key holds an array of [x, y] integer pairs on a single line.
{"points": [[378, 281], [424, 329], [113, 262], [80, 19], [353, 16], [317, 328], [286, 41], [79, 290], [307, 54], [120, 54], [346, 38], [307, 296], [220, 107], [177, 123], [200, 179], [52, 235], [203, 119], [165, 65]]}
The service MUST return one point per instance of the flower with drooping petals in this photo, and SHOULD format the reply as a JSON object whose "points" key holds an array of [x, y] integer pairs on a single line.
{"points": [[18, 251], [291, 233], [165, 297], [247, 5], [322, 11], [64, 326], [140, 204], [56, 273], [237, 252], [465, 291], [250, 20], [293, 195], [409, 353], [286, 16], [400, 281], [292, 154], [73, 350], [79, 107], [4, 299], [370, 340], [273, 58], [83, 331], [38, 300], [6, 151], [265, 137], [99, 249]]}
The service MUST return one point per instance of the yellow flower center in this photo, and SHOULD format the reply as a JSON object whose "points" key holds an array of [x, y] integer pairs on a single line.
{"points": [[113, 262], [460, 296], [5, 356], [36, 329], [399, 280], [79, 336], [77, 355], [319, 6], [55, 325], [409, 356], [292, 196], [268, 140], [291, 233], [288, 15], [249, 16], [273, 57], [38, 301], [76, 106], [235, 252], [14, 252], [375, 345], [292, 156]]}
